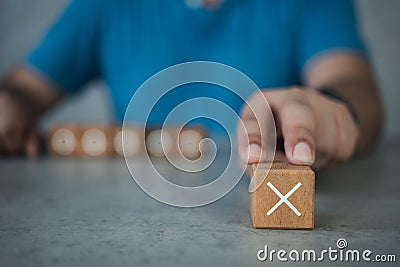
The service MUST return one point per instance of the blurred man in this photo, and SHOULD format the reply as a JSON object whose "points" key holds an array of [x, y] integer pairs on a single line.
{"points": [[306, 55]]}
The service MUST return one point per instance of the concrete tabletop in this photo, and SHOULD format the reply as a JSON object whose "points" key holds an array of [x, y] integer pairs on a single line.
{"points": [[75, 212]]}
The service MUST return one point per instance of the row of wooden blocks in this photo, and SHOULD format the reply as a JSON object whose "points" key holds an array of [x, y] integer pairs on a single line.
{"points": [[285, 198], [99, 140]]}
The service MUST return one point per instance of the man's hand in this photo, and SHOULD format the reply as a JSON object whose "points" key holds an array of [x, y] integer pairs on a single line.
{"points": [[24, 96], [17, 127], [314, 129]]}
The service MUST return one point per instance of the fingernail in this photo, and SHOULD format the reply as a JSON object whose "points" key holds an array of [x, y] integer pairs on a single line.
{"points": [[302, 152], [253, 151]]}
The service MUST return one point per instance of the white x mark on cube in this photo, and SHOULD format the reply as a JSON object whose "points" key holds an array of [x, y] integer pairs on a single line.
{"points": [[284, 199]]}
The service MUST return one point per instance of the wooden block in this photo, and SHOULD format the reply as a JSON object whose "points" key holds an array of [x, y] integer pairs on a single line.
{"points": [[133, 141], [184, 143], [103, 140], [64, 140], [268, 206], [158, 147], [96, 141], [189, 142]]}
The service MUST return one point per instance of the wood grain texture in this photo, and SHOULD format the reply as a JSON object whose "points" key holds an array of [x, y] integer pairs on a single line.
{"points": [[284, 177]]}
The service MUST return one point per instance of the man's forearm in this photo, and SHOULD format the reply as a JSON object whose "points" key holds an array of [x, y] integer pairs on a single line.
{"points": [[363, 98], [35, 93], [351, 78]]}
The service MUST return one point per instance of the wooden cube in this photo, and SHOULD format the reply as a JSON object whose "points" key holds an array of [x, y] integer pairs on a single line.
{"points": [[183, 143], [285, 199], [188, 143], [133, 141], [158, 147], [96, 141], [64, 140]]}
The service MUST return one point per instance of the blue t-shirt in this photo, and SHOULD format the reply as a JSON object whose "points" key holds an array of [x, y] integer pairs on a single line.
{"points": [[125, 42]]}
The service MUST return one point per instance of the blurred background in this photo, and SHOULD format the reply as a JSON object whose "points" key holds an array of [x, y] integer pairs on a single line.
{"points": [[23, 22]]}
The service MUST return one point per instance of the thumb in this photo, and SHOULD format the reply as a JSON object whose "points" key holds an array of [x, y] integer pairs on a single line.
{"points": [[32, 144]]}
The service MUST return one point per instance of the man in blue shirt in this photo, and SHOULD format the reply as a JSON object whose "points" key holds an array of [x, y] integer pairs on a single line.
{"points": [[290, 49]]}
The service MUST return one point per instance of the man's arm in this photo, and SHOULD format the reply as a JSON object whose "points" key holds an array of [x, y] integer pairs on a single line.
{"points": [[350, 76], [41, 92], [24, 96]]}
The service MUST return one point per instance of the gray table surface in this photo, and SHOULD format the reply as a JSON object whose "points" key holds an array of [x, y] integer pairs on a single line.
{"points": [[91, 213]]}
